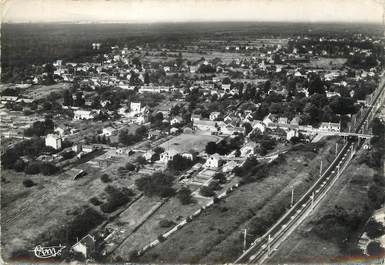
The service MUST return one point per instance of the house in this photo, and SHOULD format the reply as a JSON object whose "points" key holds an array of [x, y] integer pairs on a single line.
{"points": [[109, 131], [135, 107], [54, 141], [153, 134], [61, 131], [282, 121], [168, 155], [214, 115], [270, 118], [291, 133], [88, 148], [176, 120], [330, 127], [84, 114], [142, 119], [214, 161], [229, 166], [189, 155], [295, 121], [85, 246], [258, 125], [248, 149], [195, 117], [174, 130], [148, 155]]}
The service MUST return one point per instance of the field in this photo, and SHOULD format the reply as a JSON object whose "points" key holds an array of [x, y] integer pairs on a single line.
{"points": [[327, 63], [305, 245], [186, 142], [27, 44], [215, 236]]}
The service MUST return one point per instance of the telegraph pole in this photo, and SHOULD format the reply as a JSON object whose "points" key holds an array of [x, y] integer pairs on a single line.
{"points": [[292, 197], [320, 169], [336, 149]]}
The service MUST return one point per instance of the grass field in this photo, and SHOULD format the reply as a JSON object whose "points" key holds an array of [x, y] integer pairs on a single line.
{"points": [[215, 236], [327, 63], [186, 142], [304, 245]]}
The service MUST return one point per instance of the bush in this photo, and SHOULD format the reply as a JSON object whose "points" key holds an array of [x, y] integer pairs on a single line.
{"points": [[157, 184], [220, 177], [214, 185], [166, 223], [48, 169], [206, 191], [105, 178], [28, 183], [95, 201], [374, 229], [32, 168], [130, 167], [116, 198], [184, 195], [19, 165], [375, 249], [161, 238]]}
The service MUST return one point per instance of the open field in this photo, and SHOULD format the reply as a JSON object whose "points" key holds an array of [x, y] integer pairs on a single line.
{"points": [[306, 245], [186, 142], [327, 63], [215, 236]]}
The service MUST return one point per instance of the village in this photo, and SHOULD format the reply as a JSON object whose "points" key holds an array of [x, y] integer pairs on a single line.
{"points": [[146, 138]]}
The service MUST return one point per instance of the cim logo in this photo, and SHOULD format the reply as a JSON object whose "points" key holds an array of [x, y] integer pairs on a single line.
{"points": [[48, 252]]}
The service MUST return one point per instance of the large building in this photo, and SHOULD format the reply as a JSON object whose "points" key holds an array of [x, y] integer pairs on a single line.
{"points": [[54, 141]]}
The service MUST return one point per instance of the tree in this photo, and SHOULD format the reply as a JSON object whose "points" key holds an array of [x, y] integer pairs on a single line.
{"points": [[206, 191], [67, 97], [374, 249], [184, 195], [220, 177], [28, 183], [140, 160], [157, 184], [19, 165], [105, 178], [48, 169], [179, 163], [32, 168], [211, 148], [248, 128], [374, 229], [141, 132]]}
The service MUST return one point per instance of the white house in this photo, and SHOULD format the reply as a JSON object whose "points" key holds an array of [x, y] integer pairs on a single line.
{"points": [[109, 131], [248, 149], [176, 120], [84, 114], [290, 134], [53, 141], [259, 125], [214, 161], [168, 155], [214, 115], [135, 107], [85, 246], [148, 155], [330, 127]]}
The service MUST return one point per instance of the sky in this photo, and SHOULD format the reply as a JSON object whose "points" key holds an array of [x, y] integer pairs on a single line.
{"points": [[152, 11]]}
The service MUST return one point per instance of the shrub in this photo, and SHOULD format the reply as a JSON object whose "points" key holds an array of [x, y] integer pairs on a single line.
{"points": [[105, 178], [220, 177], [28, 183], [214, 185], [130, 167], [48, 169], [19, 165], [374, 229], [161, 238], [375, 249], [184, 195], [157, 184], [206, 191], [116, 198], [32, 168], [95, 201], [166, 223]]}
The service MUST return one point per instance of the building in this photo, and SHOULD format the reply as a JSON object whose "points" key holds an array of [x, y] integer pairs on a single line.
{"points": [[214, 161], [330, 127], [84, 114], [109, 131], [214, 115], [85, 246], [168, 155], [176, 120], [135, 107], [53, 141]]}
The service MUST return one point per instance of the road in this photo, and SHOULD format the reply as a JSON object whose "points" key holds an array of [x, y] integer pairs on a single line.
{"points": [[264, 246]]}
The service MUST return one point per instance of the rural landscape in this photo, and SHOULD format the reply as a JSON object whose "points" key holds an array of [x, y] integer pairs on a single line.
{"points": [[205, 143]]}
